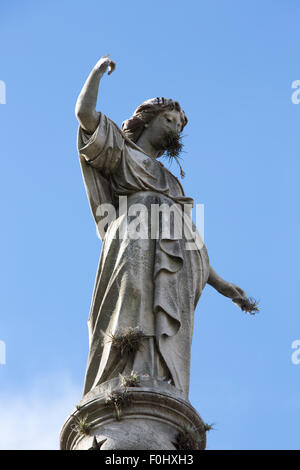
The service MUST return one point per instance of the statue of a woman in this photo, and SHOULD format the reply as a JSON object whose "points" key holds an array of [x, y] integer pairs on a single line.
{"points": [[149, 283]]}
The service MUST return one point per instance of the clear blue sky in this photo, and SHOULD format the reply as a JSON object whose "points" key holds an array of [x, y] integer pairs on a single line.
{"points": [[231, 65]]}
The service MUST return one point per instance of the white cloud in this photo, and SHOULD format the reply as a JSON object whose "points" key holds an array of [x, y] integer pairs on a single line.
{"points": [[32, 419]]}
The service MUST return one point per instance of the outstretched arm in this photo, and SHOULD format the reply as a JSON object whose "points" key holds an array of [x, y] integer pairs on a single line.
{"points": [[225, 288], [232, 291], [86, 103]]}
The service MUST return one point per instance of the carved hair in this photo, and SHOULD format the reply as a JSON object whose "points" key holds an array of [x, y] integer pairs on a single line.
{"points": [[134, 126]]}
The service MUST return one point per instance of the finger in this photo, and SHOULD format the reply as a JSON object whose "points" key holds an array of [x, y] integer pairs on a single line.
{"points": [[111, 67]]}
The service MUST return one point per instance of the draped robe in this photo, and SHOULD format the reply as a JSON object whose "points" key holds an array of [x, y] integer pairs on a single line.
{"points": [[150, 283]]}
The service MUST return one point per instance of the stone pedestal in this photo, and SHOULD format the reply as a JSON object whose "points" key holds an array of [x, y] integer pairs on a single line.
{"points": [[151, 416]]}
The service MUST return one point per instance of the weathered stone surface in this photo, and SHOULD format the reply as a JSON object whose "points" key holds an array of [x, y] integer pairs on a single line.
{"points": [[148, 280], [151, 419]]}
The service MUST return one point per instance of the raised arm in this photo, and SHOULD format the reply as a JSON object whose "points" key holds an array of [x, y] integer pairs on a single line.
{"points": [[232, 291], [85, 109]]}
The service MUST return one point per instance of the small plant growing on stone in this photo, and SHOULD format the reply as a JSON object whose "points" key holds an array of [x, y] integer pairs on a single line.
{"points": [[248, 305], [132, 380], [117, 399], [127, 341], [173, 145], [189, 439], [208, 427], [81, 425]]}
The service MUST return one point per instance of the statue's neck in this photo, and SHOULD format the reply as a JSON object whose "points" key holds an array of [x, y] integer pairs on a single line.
{"points": [[147, 147]]}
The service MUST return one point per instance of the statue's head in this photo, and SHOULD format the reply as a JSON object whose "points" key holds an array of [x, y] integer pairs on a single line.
{"points": [[162, 119]]}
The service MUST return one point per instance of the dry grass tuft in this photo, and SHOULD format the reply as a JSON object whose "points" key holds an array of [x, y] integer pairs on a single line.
{"points": [[132, 380], [248, 305], [81, 425], [128, 340], [117, 399], [189, 439]]}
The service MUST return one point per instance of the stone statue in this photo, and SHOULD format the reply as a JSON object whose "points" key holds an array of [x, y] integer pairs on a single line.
{"points": [[141, 283], [148, 285]]}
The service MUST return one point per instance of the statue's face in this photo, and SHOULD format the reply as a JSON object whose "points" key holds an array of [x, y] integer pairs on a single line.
{"points": [[164, 123]]}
